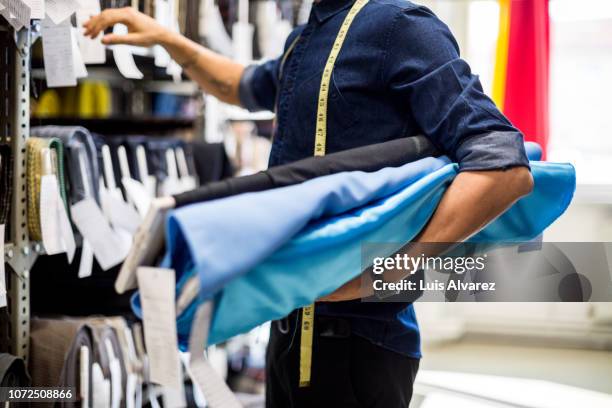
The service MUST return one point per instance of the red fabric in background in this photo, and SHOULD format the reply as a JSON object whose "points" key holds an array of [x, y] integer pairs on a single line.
{"points": [[527, 89]]}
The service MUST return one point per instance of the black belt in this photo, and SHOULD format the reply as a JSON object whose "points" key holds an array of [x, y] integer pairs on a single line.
{"points": [[326, 326]]}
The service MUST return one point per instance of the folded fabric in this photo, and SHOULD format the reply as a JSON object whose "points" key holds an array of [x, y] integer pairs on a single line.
{"points": [[55, 346], [368, 158], [13, 372], [78, 146], [261, 255]]}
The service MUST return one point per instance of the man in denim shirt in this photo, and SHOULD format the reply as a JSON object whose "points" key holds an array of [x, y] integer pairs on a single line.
{"points": [[398, 74]]}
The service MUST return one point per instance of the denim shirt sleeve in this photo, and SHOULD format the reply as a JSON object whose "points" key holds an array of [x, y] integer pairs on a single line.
{"points": [[423, 69], [259, 82]]}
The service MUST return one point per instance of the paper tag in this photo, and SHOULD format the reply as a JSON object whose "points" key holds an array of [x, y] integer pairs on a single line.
{"points": [[86, 262], [90, 221], [17, 13], [92, 50], [119, 213], [137, 193], [115, 373], [37, 9], [58, 55], [101, 388], [157, 286], [130, 390], [84, 376], [214, 388], [2, 269], [49, 220], [66, 233], [123, 56], [77, 59], [60, 10]]}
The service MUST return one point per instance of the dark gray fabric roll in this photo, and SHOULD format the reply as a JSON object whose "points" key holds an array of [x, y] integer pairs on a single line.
{"points": [[77, 142], [13, 372], [370, 158]]}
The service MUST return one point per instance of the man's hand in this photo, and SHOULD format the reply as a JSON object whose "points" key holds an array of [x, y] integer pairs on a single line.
{"points": [[214, 73], [473, 199], [142, 30]]}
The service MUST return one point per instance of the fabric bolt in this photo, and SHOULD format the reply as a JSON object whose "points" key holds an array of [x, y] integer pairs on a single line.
{"points": [[367, 158], [6, 182], [102, 332], [301, 232], [55, 354], [34, 147], [13, 372], [78, 142]]}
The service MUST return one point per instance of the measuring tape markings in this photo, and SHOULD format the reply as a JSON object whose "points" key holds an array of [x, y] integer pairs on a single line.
{"points": [[307, 328]]}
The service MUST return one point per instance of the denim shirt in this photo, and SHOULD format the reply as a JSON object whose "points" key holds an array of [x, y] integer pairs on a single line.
{"points": [[398, 74]]}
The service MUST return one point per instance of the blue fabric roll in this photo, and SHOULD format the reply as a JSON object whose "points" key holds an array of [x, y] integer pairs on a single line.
{"points": [[262, 255]]}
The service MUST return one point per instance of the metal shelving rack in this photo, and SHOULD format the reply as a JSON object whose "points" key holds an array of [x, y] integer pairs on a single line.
{"points": [[20, 253]]}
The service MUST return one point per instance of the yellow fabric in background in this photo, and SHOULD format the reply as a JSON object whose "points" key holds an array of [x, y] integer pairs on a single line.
{"points": [[90, 99], [501, 57]]}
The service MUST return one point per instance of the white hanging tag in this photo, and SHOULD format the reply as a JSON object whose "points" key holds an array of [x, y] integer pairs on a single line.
{"points": [[92, 49], [123, 56], [86, 262], [123, 162], [171, 184], [60, 10], [84, 376], [115, 373], [188, 182], [120, 214], [49, 221], [16, 12], [146, 179], [107, 248], [58, 56], [157, 289], [101, 388], [57, 236], [214, 388], [2, 269], [37, 9], [109, 175], [137, 194], [79, 66]]}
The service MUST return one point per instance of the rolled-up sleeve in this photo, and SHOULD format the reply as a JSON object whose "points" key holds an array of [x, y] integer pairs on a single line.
{"points": [[422, 67], [257, 88]]}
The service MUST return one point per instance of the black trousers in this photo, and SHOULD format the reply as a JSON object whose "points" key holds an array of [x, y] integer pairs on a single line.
{"points": [[347, 370]]}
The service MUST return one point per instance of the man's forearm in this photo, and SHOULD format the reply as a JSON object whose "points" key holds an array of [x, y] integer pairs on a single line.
{"points": [[473, 199], [214, 73]]}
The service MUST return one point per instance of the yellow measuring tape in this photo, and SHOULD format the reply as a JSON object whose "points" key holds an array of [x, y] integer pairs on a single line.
{"points": [[319, 150]]}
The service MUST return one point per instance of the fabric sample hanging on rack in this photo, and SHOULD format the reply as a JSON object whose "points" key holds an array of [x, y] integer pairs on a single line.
{"points": [[55, 347], [13, 372], [367, 158], [34, 173], [79, 146], [312, 224]]}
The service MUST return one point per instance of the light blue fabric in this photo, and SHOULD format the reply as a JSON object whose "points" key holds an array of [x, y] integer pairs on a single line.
{"points": [[226, 238], [301, 242]]}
